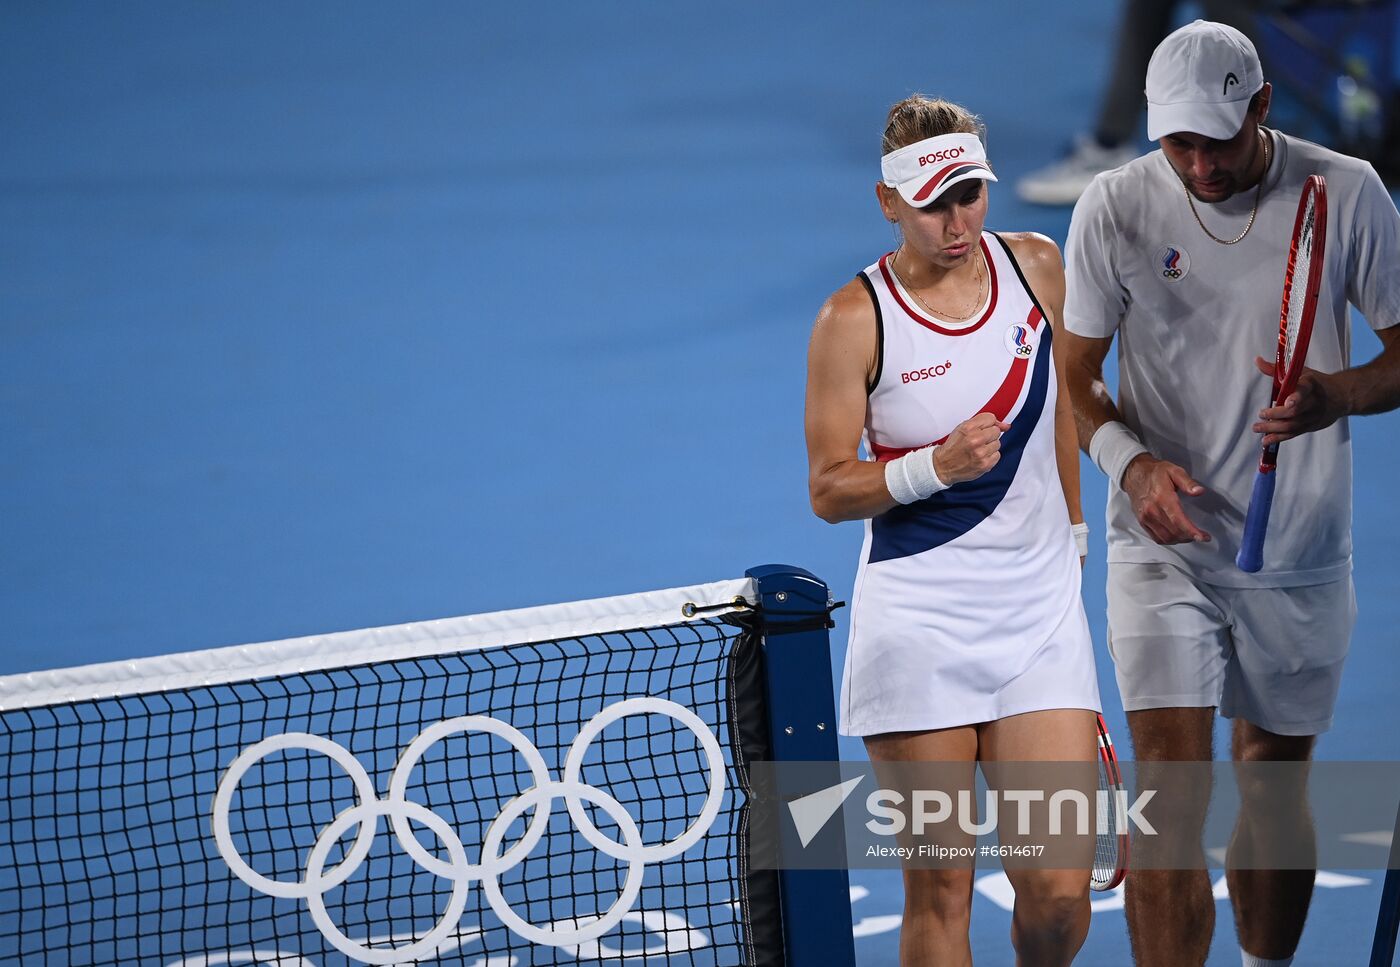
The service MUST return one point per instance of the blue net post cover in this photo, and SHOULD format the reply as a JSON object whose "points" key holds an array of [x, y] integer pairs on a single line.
{"points": [[802, 716]]}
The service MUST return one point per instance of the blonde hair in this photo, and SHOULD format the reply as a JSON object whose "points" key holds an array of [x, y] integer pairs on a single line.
{"points": [[918, 117]]}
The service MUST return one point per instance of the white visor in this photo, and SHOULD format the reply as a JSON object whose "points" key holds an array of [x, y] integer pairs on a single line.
{"points": [[926, 169]]}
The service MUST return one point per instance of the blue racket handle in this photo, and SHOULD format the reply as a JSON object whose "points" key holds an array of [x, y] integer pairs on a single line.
{"points": [[1256, 522]]}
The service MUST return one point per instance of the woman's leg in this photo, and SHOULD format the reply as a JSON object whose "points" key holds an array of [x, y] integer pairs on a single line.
{"points": [[1051, 918], [937, 902]]}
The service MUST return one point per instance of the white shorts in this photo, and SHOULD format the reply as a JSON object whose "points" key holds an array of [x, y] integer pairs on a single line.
{"points": [[1271, 656]]}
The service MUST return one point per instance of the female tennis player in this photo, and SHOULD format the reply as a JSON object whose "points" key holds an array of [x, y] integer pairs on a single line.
{"points": [[968, 638]]}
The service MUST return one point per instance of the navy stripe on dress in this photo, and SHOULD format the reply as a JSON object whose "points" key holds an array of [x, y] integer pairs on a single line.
{"points": [[910, 529]]}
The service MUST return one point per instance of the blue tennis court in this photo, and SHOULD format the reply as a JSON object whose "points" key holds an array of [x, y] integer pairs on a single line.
{"points": [[324, 317]]}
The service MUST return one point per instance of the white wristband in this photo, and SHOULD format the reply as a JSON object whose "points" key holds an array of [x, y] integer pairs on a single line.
{"points": [[1081, 538], [912, 477], [1113, 447]]}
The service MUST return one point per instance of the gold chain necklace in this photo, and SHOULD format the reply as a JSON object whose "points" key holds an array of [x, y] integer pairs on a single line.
{"points": [[1258, 190], [951, 317]]}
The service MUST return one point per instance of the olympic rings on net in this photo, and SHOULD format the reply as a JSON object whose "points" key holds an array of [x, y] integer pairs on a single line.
{"points": [[364, 791], [364, 815], [571, 792], [398, 788], [573, 764], [401, 811]]}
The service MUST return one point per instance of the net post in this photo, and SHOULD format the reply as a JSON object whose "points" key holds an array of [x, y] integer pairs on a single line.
{"points": [[1388, 919], [796, 605]]}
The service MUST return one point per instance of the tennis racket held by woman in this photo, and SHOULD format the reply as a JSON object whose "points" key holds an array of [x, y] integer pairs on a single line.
{"points": [[1302, 282], [1111, 833]]}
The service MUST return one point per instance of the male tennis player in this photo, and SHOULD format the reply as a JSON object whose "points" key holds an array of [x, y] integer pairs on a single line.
{"points": [[1181, 254]]}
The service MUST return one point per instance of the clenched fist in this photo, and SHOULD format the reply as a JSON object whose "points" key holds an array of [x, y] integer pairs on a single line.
{"points": [[973, 448]]}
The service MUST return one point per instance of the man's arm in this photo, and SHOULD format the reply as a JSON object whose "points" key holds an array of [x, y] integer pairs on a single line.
{"points": [[1152, 485], [1323, 398], [1093, 405]]}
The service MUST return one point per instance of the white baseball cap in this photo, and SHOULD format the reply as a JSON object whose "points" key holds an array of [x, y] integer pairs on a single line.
{"points": [[926, 169], [1200, 80]]}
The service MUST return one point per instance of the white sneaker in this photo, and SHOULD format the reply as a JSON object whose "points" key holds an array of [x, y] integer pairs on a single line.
{"points": [[1064, 181]]}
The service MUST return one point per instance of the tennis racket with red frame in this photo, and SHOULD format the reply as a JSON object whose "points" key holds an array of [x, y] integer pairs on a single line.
{"points": [[1111, 841], [1302, 281]]}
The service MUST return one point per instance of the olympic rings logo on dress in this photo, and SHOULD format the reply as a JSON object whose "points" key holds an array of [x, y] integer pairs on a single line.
{"points": [[1020, 341], [400, 811]]}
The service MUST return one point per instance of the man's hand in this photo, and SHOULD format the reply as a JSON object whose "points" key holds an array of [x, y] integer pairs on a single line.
{"points": [[1152, 485], [1313, 405], [973, 448]]}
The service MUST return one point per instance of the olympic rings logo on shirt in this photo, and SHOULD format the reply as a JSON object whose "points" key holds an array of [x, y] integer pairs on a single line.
{"points": [[400, 811], [1173, 262]]}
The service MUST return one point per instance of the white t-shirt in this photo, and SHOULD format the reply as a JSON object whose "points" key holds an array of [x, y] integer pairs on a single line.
{"points": [[1191, 314]]}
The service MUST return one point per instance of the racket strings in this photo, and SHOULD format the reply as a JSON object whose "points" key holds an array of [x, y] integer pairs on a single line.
{"points": [[1298, 283], [1110, 845], [1106, 852]]}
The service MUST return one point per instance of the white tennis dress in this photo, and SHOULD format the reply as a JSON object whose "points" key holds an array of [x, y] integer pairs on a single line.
{"points": [[966, 605]]}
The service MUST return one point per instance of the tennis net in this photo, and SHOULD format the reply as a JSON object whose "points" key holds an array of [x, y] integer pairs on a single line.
{"points": [[529, 787]]}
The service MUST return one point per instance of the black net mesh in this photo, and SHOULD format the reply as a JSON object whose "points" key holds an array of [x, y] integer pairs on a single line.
{"points": [[107, 852]]}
